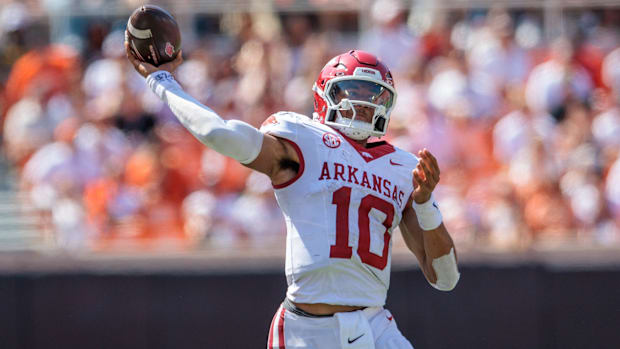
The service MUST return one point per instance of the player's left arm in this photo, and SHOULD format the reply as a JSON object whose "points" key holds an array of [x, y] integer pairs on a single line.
{"points": [[423, 229]]}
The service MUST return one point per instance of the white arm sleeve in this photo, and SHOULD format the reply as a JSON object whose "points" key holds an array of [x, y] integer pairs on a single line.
{"points": [[232, 138]]}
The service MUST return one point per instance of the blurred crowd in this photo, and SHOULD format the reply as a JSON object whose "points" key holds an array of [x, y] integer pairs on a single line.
{"points": [[525, 125]]}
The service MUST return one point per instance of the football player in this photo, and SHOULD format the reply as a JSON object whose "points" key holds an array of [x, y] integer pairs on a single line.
{"points": [[341, 195]]}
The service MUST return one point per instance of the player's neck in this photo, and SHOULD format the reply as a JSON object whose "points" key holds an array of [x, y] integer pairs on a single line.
{"points": [[362, 142]]}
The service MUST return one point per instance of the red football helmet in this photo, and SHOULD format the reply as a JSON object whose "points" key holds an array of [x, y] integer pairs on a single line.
{"points": [[348, 84]]}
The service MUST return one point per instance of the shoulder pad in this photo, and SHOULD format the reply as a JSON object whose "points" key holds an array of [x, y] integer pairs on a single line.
{"points": [[271, 120], [283, 117]]}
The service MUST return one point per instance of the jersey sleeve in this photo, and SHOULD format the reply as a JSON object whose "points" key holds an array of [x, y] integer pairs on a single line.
{"points": [[408, 159], [284, 125]]}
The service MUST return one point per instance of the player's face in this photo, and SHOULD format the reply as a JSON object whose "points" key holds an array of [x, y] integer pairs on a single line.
{"points": [[362, 113], [360, 90]]}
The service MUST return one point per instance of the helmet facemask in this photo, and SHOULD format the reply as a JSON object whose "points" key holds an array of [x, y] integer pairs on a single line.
{"points": [[348, 98]]}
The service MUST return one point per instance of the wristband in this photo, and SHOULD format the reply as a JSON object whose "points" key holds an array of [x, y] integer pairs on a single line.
{"points": [[429, 216], [160, 81]]}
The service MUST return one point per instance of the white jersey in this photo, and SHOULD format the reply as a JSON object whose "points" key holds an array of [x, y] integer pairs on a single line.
{"points": [[340, 211]]}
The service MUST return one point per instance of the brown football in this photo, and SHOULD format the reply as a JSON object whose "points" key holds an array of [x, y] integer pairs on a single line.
{"points": [[153, 35]]}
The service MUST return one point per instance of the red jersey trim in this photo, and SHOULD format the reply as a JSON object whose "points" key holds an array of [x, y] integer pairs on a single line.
{"points": [[301, 166], [277, 331], [376, 150], [281, 329]]}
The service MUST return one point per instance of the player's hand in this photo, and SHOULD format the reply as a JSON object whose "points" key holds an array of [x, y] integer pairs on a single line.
{"points": [[425, 176], [145, 69]]}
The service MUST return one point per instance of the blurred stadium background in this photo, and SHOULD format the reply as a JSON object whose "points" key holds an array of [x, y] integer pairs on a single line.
{"points": [[118, 229]]}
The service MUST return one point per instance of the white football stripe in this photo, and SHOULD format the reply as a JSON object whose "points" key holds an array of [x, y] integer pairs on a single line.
{"points": [[139, 33]]}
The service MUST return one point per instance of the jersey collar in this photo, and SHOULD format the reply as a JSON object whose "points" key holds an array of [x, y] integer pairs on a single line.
{"points": [[372, 151]]}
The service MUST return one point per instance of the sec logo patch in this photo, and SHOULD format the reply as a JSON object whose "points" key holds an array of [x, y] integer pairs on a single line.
{"points": [[331, 140]]}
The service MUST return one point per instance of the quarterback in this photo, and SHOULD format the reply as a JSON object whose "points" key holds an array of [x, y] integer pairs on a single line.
{"points": [[341, 195]]}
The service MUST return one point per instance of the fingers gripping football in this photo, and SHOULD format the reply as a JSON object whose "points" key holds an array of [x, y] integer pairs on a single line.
{"points": [[145, 69], [425, 176]]}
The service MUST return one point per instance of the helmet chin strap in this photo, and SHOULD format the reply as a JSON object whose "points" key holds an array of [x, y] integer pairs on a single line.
{"points": [[353, 132]]}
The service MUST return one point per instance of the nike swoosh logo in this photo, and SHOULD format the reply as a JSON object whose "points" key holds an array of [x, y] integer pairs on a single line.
{"points": [[435, 204], [390, 318], [395, 163], [356, 338]]}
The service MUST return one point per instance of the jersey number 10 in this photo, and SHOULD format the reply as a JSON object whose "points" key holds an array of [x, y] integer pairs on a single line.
{"points": [[341, 249]]}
